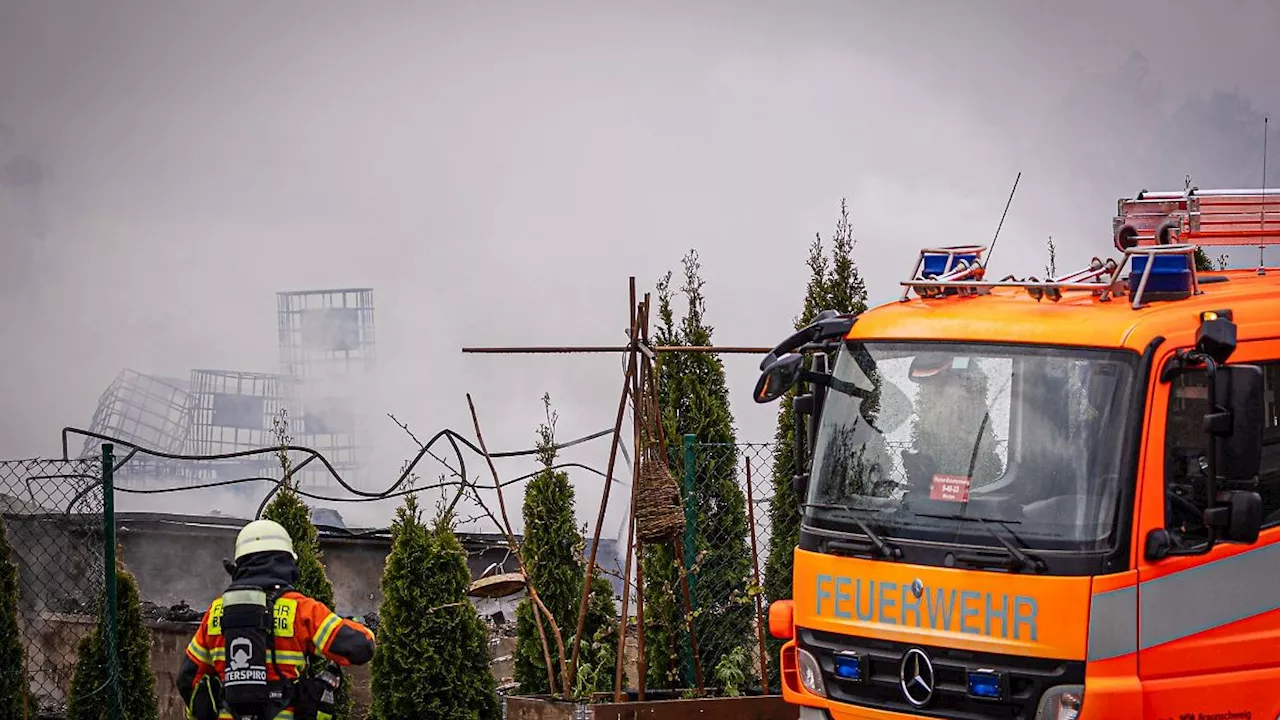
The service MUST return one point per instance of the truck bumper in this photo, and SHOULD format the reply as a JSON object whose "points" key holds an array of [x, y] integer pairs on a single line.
{"points": [[1106, 698]]}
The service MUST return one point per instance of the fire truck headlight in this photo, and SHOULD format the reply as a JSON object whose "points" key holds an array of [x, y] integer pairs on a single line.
{"points": [[810, 673], [1062, 702]]}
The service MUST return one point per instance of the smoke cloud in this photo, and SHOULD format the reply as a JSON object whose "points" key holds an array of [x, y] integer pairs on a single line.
{"points": [[496, 173]]}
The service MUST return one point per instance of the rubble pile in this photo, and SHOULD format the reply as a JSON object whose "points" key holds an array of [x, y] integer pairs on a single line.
{"points": [[181, 612]]}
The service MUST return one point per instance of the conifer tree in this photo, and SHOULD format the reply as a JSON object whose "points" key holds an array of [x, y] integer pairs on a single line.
{"points": [[552, 548], [1203, 264], [834, 284], [13, 685], [698, 403], [294, 515], [664, 630], [135, 683], [433, 654]]}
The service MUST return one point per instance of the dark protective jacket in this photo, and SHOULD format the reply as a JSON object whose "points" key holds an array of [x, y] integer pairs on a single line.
{"points": [[303, 627]]}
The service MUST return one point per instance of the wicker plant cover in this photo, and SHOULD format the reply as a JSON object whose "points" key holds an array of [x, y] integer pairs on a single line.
{"points": [[659, 515]]}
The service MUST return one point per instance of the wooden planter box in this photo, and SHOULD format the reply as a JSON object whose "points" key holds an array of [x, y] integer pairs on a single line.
{"points": [[751, 707]]}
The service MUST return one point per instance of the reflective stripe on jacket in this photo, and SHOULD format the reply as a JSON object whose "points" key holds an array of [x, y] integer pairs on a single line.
{"points": [[303, 627]]}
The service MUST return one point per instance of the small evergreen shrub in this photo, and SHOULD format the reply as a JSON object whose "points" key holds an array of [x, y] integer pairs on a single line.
{"points": [[433, 654], [91, 686], [553, 548]]}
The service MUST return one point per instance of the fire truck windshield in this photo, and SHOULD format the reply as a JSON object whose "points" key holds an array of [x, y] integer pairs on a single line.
{"points": [[918, 441]]}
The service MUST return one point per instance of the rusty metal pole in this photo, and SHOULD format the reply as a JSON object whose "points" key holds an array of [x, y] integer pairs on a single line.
{"points": [[755, 569], [642, 667], [604, 500], [579, 349], [622, 621], [638, 381], [631, 542], [690, 625]]}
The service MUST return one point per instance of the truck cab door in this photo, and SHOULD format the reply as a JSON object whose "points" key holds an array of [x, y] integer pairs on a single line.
{"points": [[1209, 624]]}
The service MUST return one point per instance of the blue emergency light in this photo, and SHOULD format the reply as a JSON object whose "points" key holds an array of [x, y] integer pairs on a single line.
{"points": [[986, 684], [934, 262], [1170, 277], [849, 666]]}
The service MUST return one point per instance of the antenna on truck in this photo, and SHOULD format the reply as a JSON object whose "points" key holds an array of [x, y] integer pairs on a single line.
{"points": [[1262, 211], [1002, 216]]}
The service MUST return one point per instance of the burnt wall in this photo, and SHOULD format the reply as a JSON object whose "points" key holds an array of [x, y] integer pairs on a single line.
{"points": [[178, 559]]}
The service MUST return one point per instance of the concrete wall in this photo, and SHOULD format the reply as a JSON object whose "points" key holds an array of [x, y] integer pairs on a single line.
{"points": [[178, 559]]}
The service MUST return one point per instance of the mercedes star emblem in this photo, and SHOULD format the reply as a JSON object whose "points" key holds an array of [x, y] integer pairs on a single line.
{"points": [[917, 588], [915, 677]]}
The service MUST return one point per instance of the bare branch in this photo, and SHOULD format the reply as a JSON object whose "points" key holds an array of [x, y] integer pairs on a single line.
{"points": [[524, 571]]}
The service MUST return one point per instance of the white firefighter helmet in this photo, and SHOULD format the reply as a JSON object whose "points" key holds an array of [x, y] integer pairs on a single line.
{"points": [[263, 536]]}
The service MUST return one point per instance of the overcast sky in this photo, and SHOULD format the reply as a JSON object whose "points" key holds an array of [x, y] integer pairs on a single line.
{"points": [[495, 171]]}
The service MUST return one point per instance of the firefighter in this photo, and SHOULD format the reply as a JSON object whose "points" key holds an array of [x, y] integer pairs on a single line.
{"points": [[252, 645]]}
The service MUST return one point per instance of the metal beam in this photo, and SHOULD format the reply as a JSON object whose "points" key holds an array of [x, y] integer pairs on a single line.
{"points": [[579, 349]]}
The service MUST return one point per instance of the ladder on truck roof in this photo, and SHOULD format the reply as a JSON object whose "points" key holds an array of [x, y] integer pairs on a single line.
{"points": [[1199, 217]]}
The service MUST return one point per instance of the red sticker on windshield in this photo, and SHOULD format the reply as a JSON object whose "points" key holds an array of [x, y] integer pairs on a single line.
{"points": [[951, 488]]}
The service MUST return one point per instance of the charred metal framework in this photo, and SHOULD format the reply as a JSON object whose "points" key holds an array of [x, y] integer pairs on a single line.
{"points": [[327, 346], [326, 333], [232, 411], [144, 409]]}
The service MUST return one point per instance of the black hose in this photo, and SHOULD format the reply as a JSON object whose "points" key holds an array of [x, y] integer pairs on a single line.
{"points": [[361, 496]]}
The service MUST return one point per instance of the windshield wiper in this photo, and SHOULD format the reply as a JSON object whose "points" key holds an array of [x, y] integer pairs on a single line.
{"points": [[1021, 560], [885, 549]]}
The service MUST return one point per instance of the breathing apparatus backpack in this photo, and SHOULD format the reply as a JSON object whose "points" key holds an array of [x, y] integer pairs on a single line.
{"points": [[248, 628]]}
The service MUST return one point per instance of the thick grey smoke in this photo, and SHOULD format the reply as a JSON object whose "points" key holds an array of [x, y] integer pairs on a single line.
{"points": [[496, 174]]}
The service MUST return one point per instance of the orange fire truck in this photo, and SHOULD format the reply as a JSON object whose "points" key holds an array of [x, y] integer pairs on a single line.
{"points": [[1052, 499]]}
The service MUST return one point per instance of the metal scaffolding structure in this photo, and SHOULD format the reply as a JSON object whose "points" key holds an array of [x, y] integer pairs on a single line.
{"points": [[232, 411], [326, 333], [327, 349], [144, 409], [150, 411]]}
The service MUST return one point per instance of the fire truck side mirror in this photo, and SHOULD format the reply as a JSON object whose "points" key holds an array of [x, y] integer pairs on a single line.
{"points": [[1242, 521], [1239, 390], [778, 377]]}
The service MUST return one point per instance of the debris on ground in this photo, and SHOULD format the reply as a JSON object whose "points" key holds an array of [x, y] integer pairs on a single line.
{"points": [[180, 612]]}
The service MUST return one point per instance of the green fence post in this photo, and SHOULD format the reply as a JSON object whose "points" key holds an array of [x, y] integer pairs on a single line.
{"points": [[688, 443], [109, 563]]}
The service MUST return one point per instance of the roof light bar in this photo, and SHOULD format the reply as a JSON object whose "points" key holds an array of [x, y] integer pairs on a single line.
{"points": [[1157, 272], [956, 271]]}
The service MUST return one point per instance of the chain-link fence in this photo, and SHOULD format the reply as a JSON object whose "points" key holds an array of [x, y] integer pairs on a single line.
{"points": [[53, 514], [727, 491]]}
